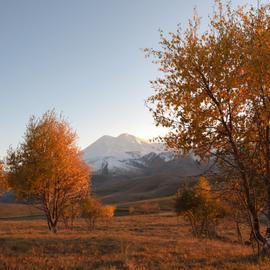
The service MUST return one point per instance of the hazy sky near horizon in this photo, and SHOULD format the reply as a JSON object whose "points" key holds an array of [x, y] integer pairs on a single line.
{"points": [[84, 59]]}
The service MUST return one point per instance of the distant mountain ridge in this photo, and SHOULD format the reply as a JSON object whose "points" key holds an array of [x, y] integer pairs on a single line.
{"points": [[122, 155], [127, 155], [127, 168]]}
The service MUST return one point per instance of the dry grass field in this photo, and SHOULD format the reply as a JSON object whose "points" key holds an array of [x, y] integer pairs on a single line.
{"points": [[126, 242], [16, 210]]}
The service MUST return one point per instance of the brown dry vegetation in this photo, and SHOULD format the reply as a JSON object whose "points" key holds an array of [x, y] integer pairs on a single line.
{"points": [[127, 242], [16, 210]]}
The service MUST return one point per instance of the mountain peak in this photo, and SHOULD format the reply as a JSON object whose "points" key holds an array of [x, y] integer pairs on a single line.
{"points": [[111, 146], [125, 135], [118, 151], [106, 137], [132, 138]]}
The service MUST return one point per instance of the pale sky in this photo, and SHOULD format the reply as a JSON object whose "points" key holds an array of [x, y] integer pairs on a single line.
{"points": [[84, 58]]}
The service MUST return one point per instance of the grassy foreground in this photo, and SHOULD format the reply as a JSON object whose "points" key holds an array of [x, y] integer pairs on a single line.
{"points": [[127, 242]]}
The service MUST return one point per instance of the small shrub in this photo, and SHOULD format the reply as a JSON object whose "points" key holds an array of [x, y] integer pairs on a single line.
{"points": [[92, 210], [107, 211], [69, 214], [199, 206]]}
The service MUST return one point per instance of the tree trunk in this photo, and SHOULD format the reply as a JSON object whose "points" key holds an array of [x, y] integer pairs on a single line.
{"points": [[49, 224], [54, 229], [266, 244], [66, 222], [72, 222], [239, 233], [52, 224]]}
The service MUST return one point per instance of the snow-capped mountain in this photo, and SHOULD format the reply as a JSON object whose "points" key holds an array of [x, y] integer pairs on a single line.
{"points": [[126, 168], [122, 155]]}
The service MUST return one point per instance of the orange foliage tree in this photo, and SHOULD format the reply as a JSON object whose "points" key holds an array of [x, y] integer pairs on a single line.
{"points": [[3, 179], [47, 167], [201, 207], [214, 96], [93, 210], [108, 211]]}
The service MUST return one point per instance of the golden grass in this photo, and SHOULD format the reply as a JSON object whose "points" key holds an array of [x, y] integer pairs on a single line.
{"points": [[128, 242]]}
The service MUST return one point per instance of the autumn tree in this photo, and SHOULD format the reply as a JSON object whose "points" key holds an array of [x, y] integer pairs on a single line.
{"points": [[233, 197], [91, 211], [71, 212], [108, 211], [214, 96], [47, 168], [200, 207], [3, 178]]}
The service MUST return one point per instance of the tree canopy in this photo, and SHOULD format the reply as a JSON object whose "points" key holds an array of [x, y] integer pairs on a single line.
{"points": [[200, 207], [3, 178], [214, 97], [47, 168]]}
